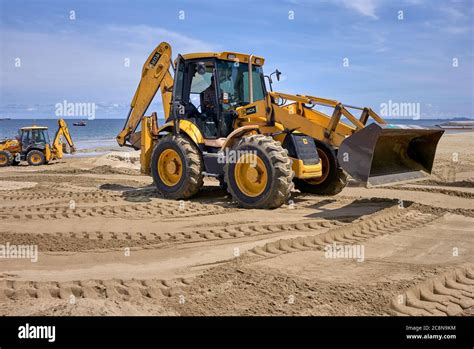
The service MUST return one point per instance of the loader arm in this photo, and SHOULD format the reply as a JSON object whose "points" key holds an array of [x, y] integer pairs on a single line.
{"points": [[155, 75], [375, 154], [322, 126]]}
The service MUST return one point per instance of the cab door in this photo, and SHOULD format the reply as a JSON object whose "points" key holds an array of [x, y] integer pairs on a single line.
{"points": [[25, 137], [178, 105]]}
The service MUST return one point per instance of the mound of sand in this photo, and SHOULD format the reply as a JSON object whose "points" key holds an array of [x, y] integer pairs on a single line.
{"points": [[129, 160]]}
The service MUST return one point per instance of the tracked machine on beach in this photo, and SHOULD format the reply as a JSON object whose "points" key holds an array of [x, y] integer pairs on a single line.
{"points": [[217, 107], [34, 146]]}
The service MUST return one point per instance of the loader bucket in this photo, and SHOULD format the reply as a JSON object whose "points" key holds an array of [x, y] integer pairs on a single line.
{"points": [[382, 154]]}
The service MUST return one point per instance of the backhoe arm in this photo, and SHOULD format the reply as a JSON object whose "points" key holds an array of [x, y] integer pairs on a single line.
{"points": [[62, 132], [155, 75]]}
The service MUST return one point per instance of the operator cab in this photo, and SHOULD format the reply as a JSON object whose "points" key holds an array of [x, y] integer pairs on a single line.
{"points": [[208, 89], [33, 136]]}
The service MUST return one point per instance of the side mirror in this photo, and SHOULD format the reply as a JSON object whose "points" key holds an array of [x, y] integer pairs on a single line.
{"points": [[278, 73], [269, 77], [201, 68]]}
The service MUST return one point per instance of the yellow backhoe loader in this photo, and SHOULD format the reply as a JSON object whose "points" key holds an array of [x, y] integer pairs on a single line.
{"points": [[33, 145], [221, 121]]}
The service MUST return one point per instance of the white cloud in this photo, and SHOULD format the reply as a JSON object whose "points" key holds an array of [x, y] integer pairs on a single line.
{"points": [[365, 7], [457, 30], [414, 2], [369, 7], [452, 12], [148, 36]]}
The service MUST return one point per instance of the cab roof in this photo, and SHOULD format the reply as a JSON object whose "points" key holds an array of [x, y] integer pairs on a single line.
{"points": [[228, 56], [34, 127]]}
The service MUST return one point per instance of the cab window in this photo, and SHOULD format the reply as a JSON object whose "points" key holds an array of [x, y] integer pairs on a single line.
{"points": [[37, 136], [234, 83], [202, 89]]}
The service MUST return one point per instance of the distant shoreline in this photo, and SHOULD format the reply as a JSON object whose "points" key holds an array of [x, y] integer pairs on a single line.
{"points": [[457, 125]]}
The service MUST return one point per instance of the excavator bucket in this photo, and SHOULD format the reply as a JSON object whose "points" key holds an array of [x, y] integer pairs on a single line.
{"points": [[382, 154], [67, 149]]}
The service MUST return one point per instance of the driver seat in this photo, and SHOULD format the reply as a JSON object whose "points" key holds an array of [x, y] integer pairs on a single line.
{"points": [[205, 122]]}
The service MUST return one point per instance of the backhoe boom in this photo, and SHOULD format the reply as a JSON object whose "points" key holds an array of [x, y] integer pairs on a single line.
{"points": [[62, 132], [155, 75]]}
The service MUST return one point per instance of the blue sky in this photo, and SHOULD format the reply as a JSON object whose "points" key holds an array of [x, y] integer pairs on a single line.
{"points": [[82, 60]]}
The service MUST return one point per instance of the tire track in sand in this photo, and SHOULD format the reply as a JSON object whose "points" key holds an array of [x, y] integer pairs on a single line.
{"points": [[64, 196], [13, 290], [447, 294], [88, 241], [65, 193], [136, 211], [388, 221], [461, 192]]}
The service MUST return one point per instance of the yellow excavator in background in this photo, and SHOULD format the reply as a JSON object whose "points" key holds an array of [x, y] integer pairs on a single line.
{"points": [[33, 145], [221, 121]]}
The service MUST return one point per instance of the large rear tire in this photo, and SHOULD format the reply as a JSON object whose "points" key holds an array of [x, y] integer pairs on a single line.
{"points": [[177, 167], [6, 158], [261, 177], [35, 157], [333, 179]]}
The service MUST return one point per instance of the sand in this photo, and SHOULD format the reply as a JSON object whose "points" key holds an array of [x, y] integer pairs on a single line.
{"points": [[109, 245]]}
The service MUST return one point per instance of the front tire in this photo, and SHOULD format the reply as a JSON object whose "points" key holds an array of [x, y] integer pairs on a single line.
{"points": [[6, 158], [176, 167], [333, 179], [261, 177], [35, 158]]}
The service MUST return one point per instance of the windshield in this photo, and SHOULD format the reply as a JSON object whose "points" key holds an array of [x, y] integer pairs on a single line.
{"points": [[234, 83], [39, 136]]}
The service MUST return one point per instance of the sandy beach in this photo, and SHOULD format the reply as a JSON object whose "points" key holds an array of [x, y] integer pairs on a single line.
{"points": [[109, 245]]}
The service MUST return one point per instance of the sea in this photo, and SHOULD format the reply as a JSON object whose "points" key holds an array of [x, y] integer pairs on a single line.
{"points": [[99, 134]]}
